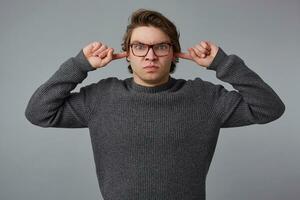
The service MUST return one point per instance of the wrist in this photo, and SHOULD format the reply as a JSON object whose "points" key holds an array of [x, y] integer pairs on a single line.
{"points": [[221, 55], [84, 63]]}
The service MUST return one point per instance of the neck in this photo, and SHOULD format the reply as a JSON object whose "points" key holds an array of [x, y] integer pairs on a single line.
{"points": [[150, 83]]}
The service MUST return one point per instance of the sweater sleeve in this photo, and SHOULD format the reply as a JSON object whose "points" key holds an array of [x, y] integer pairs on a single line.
{"points": [[53, 104], [253, 102]]}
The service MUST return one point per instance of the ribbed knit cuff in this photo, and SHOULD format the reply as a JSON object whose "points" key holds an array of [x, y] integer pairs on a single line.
{"points": [[84, 63], [217, 60]]}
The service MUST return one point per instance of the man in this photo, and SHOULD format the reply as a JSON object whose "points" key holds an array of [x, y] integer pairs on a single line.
{"points": [[153, 136]]}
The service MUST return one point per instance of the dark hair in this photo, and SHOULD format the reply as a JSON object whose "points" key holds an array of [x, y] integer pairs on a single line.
{"points": [[143, 17]]}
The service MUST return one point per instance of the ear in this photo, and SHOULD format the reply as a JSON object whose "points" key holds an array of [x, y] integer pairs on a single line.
{"points": [[175, 59], [127, 57]]}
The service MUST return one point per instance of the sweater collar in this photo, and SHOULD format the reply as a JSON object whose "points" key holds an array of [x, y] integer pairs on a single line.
{"points": [[160, 88]]}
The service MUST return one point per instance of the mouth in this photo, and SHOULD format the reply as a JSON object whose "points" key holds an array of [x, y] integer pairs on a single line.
{"points": [[151, 67]]}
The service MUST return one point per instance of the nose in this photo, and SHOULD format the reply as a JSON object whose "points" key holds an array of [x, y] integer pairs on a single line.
{"points": [[150, 55]]}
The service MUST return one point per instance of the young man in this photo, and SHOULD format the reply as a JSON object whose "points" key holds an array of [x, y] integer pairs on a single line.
{"points": [[153, 136]]}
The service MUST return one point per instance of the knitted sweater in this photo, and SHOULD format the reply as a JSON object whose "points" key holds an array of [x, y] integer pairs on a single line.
{"points": [[154, 143]]}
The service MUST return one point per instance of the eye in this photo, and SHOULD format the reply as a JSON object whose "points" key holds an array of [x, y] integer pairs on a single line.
{"points": [[162, 46], [139, 46]]}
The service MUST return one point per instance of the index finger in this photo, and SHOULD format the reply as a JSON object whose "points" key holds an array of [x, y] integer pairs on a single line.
{"points": [[119, 55], [184, 56]]}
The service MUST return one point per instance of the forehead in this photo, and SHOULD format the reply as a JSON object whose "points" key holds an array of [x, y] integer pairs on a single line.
{"points": [[149, 35]]}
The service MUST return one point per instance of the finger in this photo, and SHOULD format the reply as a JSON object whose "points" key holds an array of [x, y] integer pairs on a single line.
{"points": [[193, 54], [197, 52], [102, 48], [108, 57], [96, 45], [103, 54], [205, 45], [202, 49], [184, 56], [119, 55], [88, 49]]}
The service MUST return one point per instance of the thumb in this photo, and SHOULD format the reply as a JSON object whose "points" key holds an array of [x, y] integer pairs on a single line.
{"points": [[108, 57]]}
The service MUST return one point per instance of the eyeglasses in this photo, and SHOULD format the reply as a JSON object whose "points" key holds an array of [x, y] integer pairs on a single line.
{"points": [[141, 50]]}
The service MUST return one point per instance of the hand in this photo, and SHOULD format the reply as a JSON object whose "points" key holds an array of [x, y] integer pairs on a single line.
{"points": [[99, 55], [202, 53]]}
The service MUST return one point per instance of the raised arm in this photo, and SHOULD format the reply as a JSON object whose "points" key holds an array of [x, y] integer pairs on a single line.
{"points": [[254, 102], [53, 104]]}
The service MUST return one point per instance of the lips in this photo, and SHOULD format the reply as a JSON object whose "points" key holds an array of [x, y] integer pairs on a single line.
{"points": [[151, 67]]}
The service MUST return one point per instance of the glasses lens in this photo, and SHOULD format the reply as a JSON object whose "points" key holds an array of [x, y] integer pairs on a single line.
{"points": [[161, 49], [141, 50]]}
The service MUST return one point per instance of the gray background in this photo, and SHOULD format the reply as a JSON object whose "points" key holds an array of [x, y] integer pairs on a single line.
{"points": [[253, 162]]}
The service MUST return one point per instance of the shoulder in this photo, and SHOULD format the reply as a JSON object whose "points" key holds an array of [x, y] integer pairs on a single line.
{"points": [[109, 84], [204, 88], [103, 85], [200, 83]]}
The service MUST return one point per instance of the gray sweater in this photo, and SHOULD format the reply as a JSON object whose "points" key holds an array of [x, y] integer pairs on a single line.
{"points": [[154, 143]]}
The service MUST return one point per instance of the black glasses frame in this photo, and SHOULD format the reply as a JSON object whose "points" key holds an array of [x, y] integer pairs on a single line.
{"points": [[151, 47]]}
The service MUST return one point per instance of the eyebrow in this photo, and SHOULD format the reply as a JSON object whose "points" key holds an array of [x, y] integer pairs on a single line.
{"points": [[139, 42]]}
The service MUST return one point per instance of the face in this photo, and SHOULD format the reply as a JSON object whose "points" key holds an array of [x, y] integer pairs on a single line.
{"points": [[150, 70]]}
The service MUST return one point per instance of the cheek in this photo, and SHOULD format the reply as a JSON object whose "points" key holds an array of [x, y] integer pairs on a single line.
{"points": [[167, 61], [135, 62]]}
